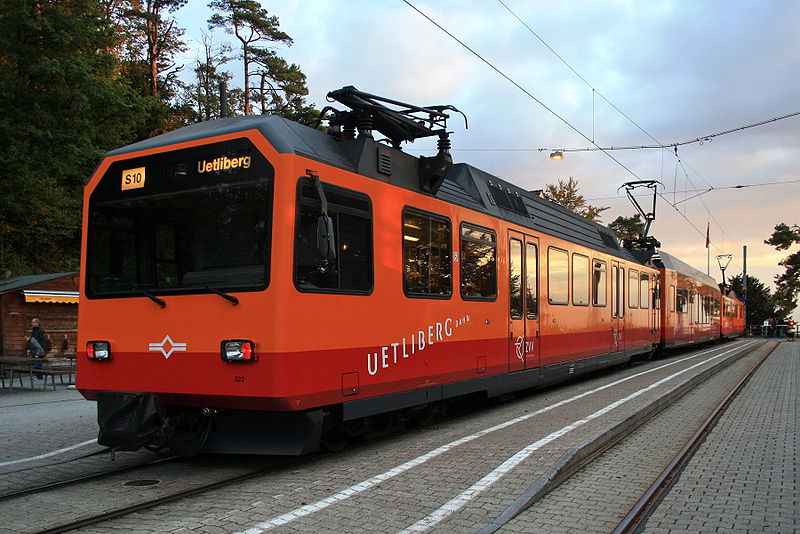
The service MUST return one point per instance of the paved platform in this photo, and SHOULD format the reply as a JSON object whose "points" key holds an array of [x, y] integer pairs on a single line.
{"points": [[744, 478]]}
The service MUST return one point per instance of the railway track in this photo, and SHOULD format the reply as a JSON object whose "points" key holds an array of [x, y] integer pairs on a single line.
{"points": [[82, 478], [181, 475], [596, 463], [644, 507], [285, 485]]}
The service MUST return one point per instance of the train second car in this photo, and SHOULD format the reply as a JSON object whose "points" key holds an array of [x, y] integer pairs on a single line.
{"points": [[252, 285]]}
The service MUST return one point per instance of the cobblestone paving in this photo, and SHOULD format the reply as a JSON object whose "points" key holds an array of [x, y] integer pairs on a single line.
{"points": [[598, 497], [396, 503], [743, 478]]}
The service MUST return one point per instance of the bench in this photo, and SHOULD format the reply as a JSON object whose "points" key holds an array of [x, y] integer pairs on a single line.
{"points": [[50, 368], [52, 373]]}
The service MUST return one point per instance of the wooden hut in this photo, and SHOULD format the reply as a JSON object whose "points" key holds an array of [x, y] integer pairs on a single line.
{"points": [[52, 298]]}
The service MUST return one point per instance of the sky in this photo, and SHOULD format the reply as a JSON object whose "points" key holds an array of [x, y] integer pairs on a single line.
{"points": [[654, 72]]}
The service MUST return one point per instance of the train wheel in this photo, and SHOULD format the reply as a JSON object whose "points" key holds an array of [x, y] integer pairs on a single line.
{"points": [[336, 439]]}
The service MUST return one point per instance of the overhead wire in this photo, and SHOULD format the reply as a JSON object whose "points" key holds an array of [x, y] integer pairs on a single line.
{"points": [[518, 86], [591, 140], [659, 144]]}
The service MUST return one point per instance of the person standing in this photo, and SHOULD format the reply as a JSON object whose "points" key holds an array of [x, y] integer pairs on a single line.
{"points": [[765, 328]]}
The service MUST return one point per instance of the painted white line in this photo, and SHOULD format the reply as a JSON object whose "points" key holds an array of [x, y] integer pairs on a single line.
{"points": [[377, 479], [459, 501], [49, 454]]}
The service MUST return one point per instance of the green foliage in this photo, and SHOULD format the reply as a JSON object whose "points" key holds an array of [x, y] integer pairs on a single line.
{"points": [[81, 77], [628, 228], [566, 194], [788, 283], [62, 105], [760, 302]]}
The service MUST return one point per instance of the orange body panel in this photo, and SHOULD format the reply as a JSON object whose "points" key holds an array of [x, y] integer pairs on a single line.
{"points": [[317, 349]]}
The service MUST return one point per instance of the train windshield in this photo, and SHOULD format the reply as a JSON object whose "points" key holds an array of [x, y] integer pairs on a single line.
{"points": [[188, 221]]}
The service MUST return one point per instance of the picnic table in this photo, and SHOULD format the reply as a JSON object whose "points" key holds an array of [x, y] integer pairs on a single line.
{"points": [[57, 364]]}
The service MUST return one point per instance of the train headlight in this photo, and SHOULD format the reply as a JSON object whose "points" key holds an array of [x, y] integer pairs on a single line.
{"points": [[238, 350], [98, 350]]}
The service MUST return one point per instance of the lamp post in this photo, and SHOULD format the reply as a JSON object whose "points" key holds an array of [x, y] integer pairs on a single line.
{"points": [[724, 260]]}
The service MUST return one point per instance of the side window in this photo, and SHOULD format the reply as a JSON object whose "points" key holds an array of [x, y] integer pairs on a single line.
{"points": [[682, 300], [531, 280], [427, 268], [599, 283], [644, 291], [478, 263], [515, 279], [633, 288], [580, 280], [672, 298], [350, 271], [558, 276], [656, 291], [617, 291]]}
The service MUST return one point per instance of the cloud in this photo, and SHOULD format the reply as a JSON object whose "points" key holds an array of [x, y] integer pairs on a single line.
{"points": [[679, 70]]}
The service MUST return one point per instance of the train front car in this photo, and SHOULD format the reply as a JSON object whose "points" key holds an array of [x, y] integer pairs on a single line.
{"points": [[251, 285], [176, 305]]}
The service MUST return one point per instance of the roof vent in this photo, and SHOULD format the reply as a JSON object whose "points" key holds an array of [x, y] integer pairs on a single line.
{"points": [[384, 161]]}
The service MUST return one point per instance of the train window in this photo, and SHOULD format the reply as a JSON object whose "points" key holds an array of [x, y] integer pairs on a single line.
{"points": [[427, 268], [580, 280], [558, 276], [614, 291], [531, 280], [644, 291], [189, 229], [682, 300], [672, 298], [599, 283], [633, 288], [656, 292], [350, 271], [478, 263], [515, 279], [617, 291]]}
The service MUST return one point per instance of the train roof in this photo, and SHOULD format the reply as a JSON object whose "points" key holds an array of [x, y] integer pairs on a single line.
{"points": [[671, 262], [463, 184]]}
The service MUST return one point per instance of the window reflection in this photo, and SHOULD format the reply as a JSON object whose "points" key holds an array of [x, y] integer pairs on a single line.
{"points": [[427, 269], [558, 276], [478, 263]]}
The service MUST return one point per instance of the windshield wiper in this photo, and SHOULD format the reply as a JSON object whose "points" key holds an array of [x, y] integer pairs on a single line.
{"points": [[161, 302], [230, 298]]}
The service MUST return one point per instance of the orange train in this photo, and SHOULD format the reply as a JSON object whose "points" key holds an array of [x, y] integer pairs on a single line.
{"points": [[253, 285]]}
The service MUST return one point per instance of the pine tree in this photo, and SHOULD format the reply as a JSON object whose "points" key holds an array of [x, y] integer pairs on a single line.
{"points": [[280, 87], [62, 105]]}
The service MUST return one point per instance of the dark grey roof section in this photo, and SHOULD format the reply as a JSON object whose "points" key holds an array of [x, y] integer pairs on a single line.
{"points": [[286, 136], [671, 262], [21, 282], [543, 216]]}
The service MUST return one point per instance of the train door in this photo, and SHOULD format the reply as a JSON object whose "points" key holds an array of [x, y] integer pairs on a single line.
{"points": [[523, 330], [617, 307], [655, 315]]}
